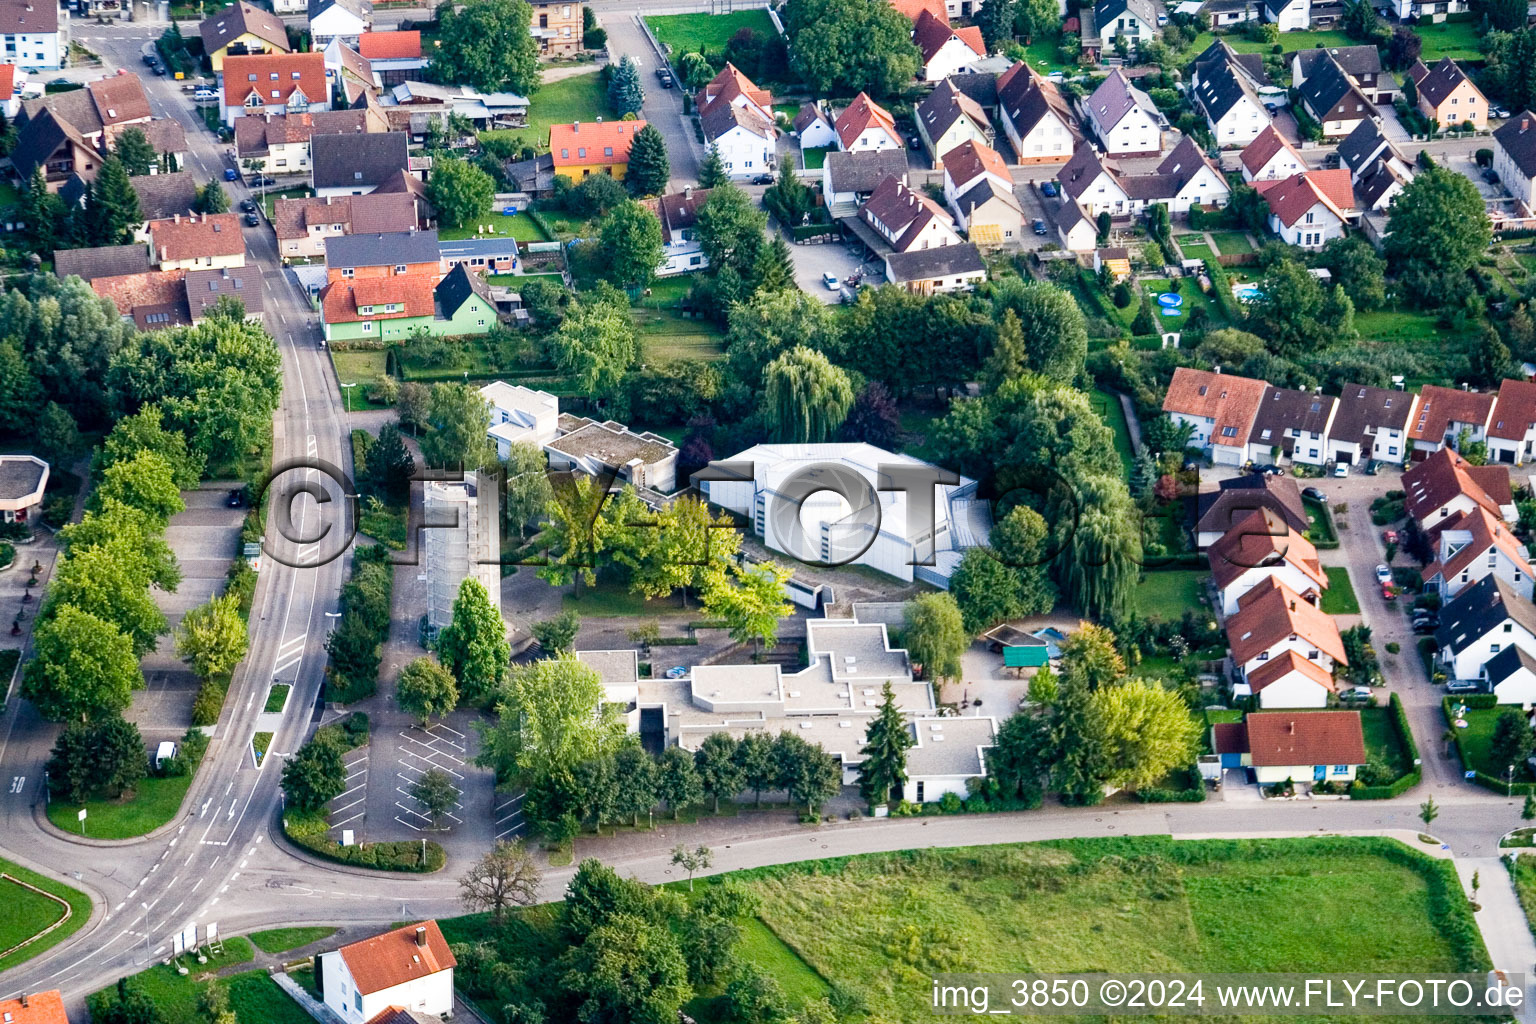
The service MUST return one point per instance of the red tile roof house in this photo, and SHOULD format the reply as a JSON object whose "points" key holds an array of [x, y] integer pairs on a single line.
{"points": [[1260, 547], [866, 125], [1303, 747], [1219, 406], [908, 220], [1272, 619], [1445, 485], [284, 83], [410, 967], [1471, 545], [1512, 427], [38, 1008], [1443, 413], [1311, 208], [946, 50], [197, 242]]}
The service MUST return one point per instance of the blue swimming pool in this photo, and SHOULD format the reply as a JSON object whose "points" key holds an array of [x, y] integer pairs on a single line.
{"points": [[1247, 292]]}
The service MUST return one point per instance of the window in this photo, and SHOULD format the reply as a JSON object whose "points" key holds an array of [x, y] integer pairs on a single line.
{"points": [[399, 268], [273, 76], [367, 329], [1494, 648], [1509, 627], [357, 997], [480, 323], [346, 271], [607, 151], [1341, 769]]}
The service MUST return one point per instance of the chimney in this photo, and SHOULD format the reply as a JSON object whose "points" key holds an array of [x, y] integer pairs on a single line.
{"points": [[575, 127], [1290, 727], [421, 936], [175, 218], [1215, 369], [687, 193], [1525, 123]]}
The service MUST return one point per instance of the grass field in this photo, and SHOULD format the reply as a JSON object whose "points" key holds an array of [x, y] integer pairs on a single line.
{"points": [[519, 226], [155, 802], [1166, 593], [682, 32], [261, 742], [281, 940], [1320, 528], [1288, 40], [27, 913], [1382, 742], [667, 334], [610, 601], [666, 291], [1113, 414], [814, 158], [358, 368], [254, 997], [578, 98], [1398, 325], [1339, 598], [277, 696], [1231, 242], [1455, 39], [882, 925], [1194, 247], [1476, 741], [1523, 871]]}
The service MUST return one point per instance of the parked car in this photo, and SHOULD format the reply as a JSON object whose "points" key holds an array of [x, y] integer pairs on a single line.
{"points": [[165, 753], [236, 499], [1464, 686], [204, 95], [676, 672], [1383, 574], [252, 220], [150, 58], [1050, 189], [915, 143], [1315, 493], [1162, 20], [1388, 592], [1341, 469], [1389, 536], [1357, 693], [1499, 112], [1039, 227], [830, 280], [248, 205], [664, 76], [230, 174], [262, 181], [158, 69]]}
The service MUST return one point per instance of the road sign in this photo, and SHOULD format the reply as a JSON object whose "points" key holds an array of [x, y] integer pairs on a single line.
{"points": [[1469, 774], [81, 815]]}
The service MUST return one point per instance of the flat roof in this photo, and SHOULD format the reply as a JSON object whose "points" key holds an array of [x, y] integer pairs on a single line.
{"points": [[613, 445]]}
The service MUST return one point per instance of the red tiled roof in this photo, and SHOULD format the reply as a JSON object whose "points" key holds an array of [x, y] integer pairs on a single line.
{"points": [[913, 8], [1259, 539], [7, 81], [1440, 407], [1272, 611], [586, 142], [120, 98], [308, 67], [398, 45], [1488, 531], [197, 236], [1431, 484], [341, 299], [1276, 669], [1514, 411], [1231, 401], [931, 33], [729, 84], [1283, 738], [1263, 149], [41, 1008], [972, 159], [158, 287], [395, 957], [1291, 197], [863, 113]]}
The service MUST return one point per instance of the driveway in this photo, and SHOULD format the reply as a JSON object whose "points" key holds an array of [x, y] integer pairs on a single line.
{"points": [[835, 258], [663, 107]]}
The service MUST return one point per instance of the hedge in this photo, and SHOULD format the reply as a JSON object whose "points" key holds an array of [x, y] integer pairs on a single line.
{"points": [[1221, 293], [1474, 701], [309, 830], [1192, 793], [1397, 788]]}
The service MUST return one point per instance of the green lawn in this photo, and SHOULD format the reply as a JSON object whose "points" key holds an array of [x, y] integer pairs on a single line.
{"points": [[1477, 739], [1113, 414], [277, 696], [267, 201], [155, 802], [261, 742], [882, 925], [359, 367], [1165, 594], [612, 601], [28, 913], [710, 32], [1339, 598], [666, 291], [578, 98], [256, 999], [1382, 742], [1398, 325], [1197, 251], [281, 940], [1193, 297], [1523, 872], [667, 334], [814, 158], [1288, 41], [1229, 243], [1320, 528], [1043, 56], [1455, 39], [175, 995], [519, 226]]}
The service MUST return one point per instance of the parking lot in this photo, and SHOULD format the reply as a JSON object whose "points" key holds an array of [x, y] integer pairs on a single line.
{"points": [[837, 259], [436, 747]]}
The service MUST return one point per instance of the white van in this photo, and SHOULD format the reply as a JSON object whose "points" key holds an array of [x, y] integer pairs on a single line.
{"points": [[204, 95], [164, 754]]}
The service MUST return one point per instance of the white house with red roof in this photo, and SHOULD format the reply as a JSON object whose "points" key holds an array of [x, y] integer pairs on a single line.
{"points": [[12, 79], [279, 83], [1444, 486], [737, 119], [946, 50], [866, 126], [967, 165], [907, 219], [1270, 158], [1471, 545], [1289, 681], [1263, 546], [1219, 407], [410, 967], [1311, 208], [1512, 428]]}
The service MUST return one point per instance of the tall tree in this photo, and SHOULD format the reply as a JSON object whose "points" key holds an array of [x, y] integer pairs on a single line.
{"points": [[730, 228], [759, 770], [808, 773], [995, 19], [1021, 541], [389, 465], [111, 205], [460, 418], [805, 397], [649, 168], [771, 323], [1021, 755], [460, 191], [1512, 741], [473, 646], [1055, 332], [488, 45], [935, 635], [104, 756], [874, 418], [211, 198], [627, 969], [753, 606], [843, 47], [526, 492], [110, 581], [504, 877], [550, 719], [82, 666], [985, 590], [626, 93], [712, 171], [635, 776], [436, 794], [58, 436], [212, 637], [1439, 228], [677, 780], [133, 148], [1147, 732], [1098, 537], [596, 344], [719, 774], [557, 634], [886, 742], [43, 213], [146, 481], [426, 689], [630, 236], [315, 775]]}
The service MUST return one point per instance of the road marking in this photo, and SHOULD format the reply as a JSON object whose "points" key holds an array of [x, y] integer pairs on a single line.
{"points": [[17, 782], [231, 813], [204, 809]]}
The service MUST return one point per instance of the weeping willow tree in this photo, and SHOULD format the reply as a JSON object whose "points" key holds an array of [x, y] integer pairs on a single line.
{"points": [[805, 397], [1099, 543]]}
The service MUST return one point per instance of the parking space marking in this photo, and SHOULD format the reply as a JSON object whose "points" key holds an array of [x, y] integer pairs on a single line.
{"points": [[508, 816]]}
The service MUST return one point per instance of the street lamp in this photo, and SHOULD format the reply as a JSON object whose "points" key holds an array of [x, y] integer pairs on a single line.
{"points": [[346, 392]]}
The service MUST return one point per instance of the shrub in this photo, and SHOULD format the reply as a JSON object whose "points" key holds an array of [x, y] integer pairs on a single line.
{"points": [[308, 830], [207, 704], [950, 803], [1393, 647]]}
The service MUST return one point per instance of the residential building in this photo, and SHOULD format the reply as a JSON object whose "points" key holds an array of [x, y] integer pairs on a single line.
{"points": [[557, 25], [385, 307], [1272, 619], [829, 702], [1227, 88], [865, 125], [520, 415], [411, 967], [284, 83], [1293, 425], [848, 179], [1114, 260], [280, 143], [460, 540], [1447, 95], [1290, 681], [645, 461], [35, 35], [1260, 547], [204, 289], [162, 196], [1470, 545], [298, 7], [1036, 118], [1185, 178], [1219, 407], [679, 213], [1236, 498], [948, 119], [744, 135], [239, 29], [813, 127], [602, 147], [348, 72], [197, 242], [464, 303], [1445, 486], [819, 503], [303, 225], [952, 268], [126, 275], [1431, 11], [1360, 64], [1134, 21], [1512, 427], [1311, 208], [905, 220], [1443, 414], [1379, 172], [487, 254], [1329, 94], [342, 165], [394, 57], [1124, 118], [1269, 157], [12, 81], [346, 20], [1225, 13], [1514, 158], [970, 164], [1510, 676], [1316, 746], [65, 134], [23, 480], [989, 213], [1093, 184], [1289, 15], [1484, 619], [946, 50], [1371, 423], [398, 254]]}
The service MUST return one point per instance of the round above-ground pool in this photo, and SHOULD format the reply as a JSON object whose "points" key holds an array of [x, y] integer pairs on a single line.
{"points": [[1170, 300], [1247, 291]]}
